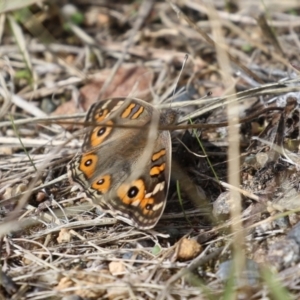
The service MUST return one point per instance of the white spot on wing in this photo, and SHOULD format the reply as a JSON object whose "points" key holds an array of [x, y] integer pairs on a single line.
{"points": [[106, 104], [159, 187], [136, 202], [157, 206]]}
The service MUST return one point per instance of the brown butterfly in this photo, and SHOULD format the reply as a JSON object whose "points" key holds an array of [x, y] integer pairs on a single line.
{"points": [[126, 170]]}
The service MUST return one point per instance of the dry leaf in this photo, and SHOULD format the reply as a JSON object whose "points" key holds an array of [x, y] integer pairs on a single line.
{"points": [[87, 284], [116, 268], [64, 236], [67, 108], [128, 80]]}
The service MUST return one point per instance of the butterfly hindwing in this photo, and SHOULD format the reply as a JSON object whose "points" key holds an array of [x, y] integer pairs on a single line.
{"points": [[125, 170]]}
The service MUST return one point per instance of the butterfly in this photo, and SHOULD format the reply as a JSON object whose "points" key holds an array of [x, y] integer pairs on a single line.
{"points": [[125, 162]]}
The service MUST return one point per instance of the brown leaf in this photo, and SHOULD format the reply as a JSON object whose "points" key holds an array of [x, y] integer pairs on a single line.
{"points": [[116, 267], [87, 285], [128, 80], [67, 108]]}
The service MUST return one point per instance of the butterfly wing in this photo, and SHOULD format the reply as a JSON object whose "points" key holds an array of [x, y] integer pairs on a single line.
{"points": [[125, 170]]}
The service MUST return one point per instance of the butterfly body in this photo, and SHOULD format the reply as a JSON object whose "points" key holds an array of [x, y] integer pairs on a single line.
{"points": [[125, 170]]}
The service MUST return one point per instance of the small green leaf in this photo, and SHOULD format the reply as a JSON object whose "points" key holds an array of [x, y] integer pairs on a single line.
{"points": [[247, 48], [77, 18], [23, 74], [156, 249]]}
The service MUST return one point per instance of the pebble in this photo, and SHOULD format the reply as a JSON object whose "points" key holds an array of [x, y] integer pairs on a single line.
{"points": [[251, 273]]}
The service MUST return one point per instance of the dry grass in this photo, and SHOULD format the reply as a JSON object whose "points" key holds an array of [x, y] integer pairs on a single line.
{"points": [[240, 82]]}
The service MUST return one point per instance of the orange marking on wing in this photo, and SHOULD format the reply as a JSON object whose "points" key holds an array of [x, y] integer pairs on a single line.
{"points": [[100, 114], [146, 206], [99, 133], [88, 164], [156, 170], [102, 184], [158, 154], [138, 113], [128, 110], [137, 188]]}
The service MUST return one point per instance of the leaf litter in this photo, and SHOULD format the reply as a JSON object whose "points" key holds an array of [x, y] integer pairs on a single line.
{"points": [[55, 244]]}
